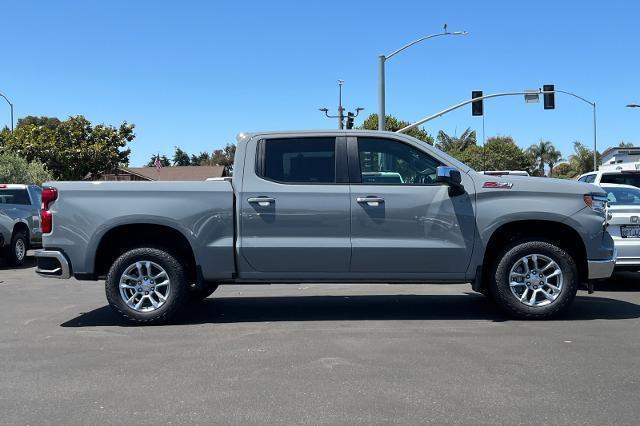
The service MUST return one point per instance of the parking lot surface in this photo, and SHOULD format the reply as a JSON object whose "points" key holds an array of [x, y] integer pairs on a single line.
{"points": [[316, 354]]}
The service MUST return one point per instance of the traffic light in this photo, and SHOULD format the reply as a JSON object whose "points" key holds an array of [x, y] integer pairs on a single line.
{"points": [[350, 117], [549, 98], [476, 106]]}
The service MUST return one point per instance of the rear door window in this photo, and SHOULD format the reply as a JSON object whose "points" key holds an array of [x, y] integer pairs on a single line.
{"points": [[622, 178], [14, 196], [298, 160]]}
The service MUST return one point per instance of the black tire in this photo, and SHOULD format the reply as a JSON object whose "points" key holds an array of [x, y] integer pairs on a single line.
{"points": [[198, 295], [18, 238], [176, 298], [501, 288]]}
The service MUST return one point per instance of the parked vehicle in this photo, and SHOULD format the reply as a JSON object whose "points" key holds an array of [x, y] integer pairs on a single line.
{"points": [[300, 209], [19, 221], [624, 223], [621, 177]]}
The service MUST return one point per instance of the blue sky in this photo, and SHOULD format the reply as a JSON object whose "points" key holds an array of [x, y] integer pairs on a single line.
{"points": [[196, 73]]}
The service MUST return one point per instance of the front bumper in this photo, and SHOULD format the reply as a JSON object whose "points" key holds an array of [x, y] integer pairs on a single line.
{"points": [[601, 269], [52, 264], [628, 251]]}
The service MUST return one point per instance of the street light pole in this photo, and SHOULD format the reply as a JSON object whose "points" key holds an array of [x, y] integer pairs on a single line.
{"points": [[381, 75], [11, 107], [340, 109]]}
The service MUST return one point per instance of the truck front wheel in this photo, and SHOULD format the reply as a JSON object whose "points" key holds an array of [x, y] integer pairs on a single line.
{"points": [[146, 285], [534, 279]]}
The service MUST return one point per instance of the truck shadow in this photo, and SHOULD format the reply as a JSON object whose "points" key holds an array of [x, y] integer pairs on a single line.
{"points": [[359, 308], [29, 262]]}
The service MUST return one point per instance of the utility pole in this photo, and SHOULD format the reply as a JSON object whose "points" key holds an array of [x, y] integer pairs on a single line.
{"points": [[341, 109], [10, 106]]}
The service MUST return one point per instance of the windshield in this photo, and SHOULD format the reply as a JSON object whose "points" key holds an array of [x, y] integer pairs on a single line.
{"points": [[629, 196]]}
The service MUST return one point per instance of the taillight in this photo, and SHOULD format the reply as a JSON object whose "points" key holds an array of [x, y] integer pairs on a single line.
{"points": [[49, 195]]}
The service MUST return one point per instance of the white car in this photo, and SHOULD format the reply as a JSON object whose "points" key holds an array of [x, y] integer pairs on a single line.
{"points": [[624, 223], [621, 177]]}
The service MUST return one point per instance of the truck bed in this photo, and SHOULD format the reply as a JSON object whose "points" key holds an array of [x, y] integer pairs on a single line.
{"points": [[203, 212]]}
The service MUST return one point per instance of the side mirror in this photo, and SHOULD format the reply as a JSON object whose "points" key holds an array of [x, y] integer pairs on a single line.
{"points": [[452, 177]]}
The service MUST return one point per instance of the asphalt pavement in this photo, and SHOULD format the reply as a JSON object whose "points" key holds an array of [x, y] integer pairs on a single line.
{"points": [[316, 354]]}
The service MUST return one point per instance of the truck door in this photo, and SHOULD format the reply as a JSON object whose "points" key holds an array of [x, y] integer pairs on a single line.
{"points": [[403, 222], [295, 211]]}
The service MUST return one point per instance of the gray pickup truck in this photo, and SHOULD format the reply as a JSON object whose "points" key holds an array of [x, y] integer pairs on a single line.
{"points": [[19, 221], [330, 206]]}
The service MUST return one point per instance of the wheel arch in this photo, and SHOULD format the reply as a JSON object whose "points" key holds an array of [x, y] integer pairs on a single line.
{"points": [[558, 233], [21, 226], [123, 237]]}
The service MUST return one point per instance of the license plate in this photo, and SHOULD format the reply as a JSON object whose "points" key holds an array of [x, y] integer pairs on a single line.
{"points": [[630, 231]]}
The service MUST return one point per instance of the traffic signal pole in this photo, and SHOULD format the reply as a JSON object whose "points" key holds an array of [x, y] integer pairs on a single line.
{"points": [[497, 95]]}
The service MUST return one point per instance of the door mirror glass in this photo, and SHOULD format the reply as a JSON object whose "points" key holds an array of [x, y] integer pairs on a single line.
{"points": [[450, 176]]}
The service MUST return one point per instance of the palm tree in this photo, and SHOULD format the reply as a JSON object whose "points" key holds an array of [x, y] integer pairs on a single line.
{"points": [[554, 156], [540, 153], [582, 160], [447, 143]]}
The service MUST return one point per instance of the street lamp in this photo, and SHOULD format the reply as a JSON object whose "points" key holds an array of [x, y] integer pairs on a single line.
{"points": [[383, 59], [11, 106], [340, 115], [633, 106]]}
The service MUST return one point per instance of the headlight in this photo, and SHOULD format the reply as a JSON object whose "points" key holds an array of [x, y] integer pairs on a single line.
{"points": [[598, 203]]}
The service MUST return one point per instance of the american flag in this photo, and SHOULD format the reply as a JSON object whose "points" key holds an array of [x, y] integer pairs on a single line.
{"points": [[158, 163]]}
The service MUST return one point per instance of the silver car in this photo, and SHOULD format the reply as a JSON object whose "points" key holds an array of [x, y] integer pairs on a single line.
{"points": [[19, 221], [624, 225]]}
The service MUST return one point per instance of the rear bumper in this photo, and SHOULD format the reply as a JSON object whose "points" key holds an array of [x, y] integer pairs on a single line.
{"points": [[52, 264], [600, 269]]}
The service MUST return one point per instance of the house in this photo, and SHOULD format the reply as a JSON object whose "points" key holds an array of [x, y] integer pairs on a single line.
{"points": [[173, 173], [620, 158]]}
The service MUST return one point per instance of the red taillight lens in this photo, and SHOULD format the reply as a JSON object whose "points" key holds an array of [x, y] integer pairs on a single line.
{"points": [[46, 221], [49, 195]]}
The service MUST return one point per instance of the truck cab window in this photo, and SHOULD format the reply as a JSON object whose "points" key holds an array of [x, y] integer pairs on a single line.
{"points": [[387, 162], [14, 196], [299, 160]]}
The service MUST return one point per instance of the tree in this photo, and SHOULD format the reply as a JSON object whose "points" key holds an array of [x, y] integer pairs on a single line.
{"points": [[15, 169], [554, 156], [624, 144], [392, 124], [225, 157], [498, 153], [181, 158], [540, 154], [582, 159], [452, 144], [202, 159], [163, 160], [72, 150], [48, 122], [564, 171]]}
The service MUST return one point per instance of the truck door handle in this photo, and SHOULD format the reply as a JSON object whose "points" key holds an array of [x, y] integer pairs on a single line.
{"points": [[371, 201], [262, 201]]}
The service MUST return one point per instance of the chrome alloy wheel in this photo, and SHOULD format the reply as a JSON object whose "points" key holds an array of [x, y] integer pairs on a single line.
{"points": [[20, 249], [536, 280], [144, 286]]}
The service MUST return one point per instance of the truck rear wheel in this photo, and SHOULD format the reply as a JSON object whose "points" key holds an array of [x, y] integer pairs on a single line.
{"points": [[534, 279], [17, 250], [146, 285]]}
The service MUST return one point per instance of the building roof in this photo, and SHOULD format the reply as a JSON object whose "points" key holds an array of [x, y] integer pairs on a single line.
{"points": [[177, 173], [618, 149]]}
